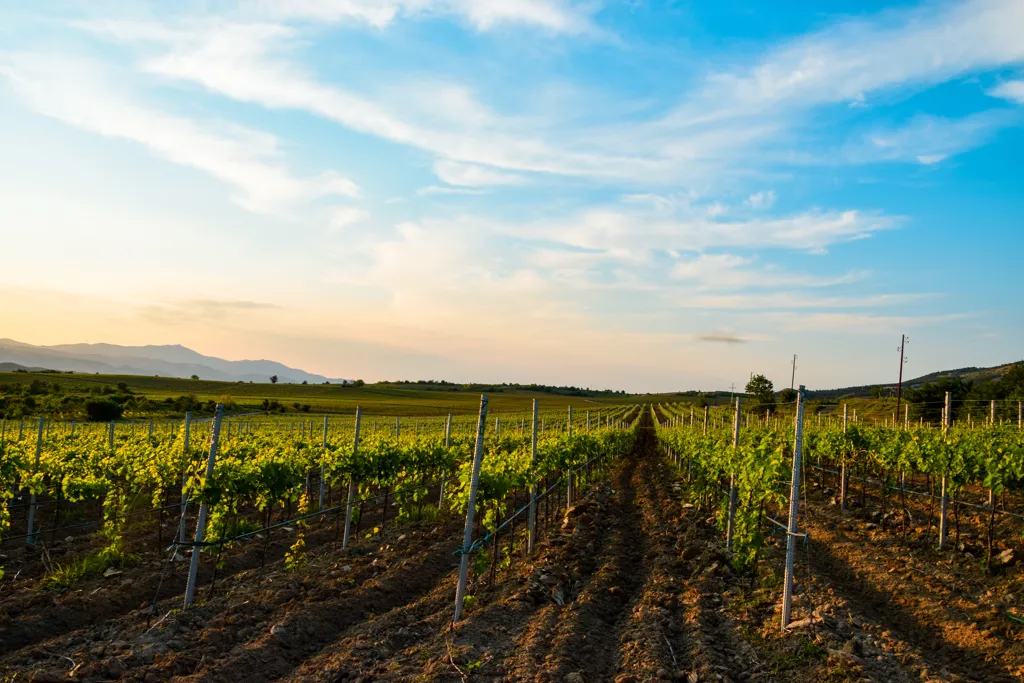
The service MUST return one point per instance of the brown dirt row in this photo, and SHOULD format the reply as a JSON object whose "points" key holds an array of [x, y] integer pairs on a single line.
{"points": [[947, 613]]}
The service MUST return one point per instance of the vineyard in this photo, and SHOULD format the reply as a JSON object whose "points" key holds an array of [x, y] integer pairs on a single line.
{"points": [[623, 544]]}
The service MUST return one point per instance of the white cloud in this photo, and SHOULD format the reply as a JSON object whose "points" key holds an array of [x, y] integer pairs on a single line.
{"points": [[753, 112], [929, 139], [614, 228], [853, 58], [1010, 90], [762, 200], [345, 217], [730, 271], [80, 94], [716, 209], [931, 159], [473, 175], [442, 190], [550, 15]]}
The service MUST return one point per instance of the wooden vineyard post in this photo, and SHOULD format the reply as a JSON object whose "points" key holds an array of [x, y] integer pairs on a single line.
{"points": [[110, 437], [569, 482], [467, 536], [323, 466], [843, 479], [705, 420], [352, 482], [533, 487], [184, 479], [944, 507], [794, 506], [30, 539], [732, 477], [447, 443], [992, 413], [193, 570]]}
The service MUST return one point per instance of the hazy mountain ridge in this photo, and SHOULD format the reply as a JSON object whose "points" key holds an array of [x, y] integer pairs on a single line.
{"points": [[165, 361]]}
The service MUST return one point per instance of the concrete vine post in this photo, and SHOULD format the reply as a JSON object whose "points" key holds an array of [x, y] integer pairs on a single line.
{"points": [[732, 476], [474, 484], [533, 487], [193, 570], [447, 444], [352, 482], [944, 507], [30, 539], [323, 467], [569, 480], [184, 478], [843, 479], [794, 506]]}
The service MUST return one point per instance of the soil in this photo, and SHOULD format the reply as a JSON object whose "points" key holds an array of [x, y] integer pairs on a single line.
{"points": [[629, 584]]}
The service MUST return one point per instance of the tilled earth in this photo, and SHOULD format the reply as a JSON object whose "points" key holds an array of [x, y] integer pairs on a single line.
{"points": [[631, 584]]}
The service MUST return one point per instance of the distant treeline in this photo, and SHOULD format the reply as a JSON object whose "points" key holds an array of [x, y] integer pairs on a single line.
{"points": [[444, 385]]}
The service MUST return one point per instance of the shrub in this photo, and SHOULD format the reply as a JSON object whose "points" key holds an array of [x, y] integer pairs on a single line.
{"points": [[103, 410]]}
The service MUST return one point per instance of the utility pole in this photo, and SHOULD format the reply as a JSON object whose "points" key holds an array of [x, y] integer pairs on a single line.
{"points": [[903, 360], [792, 379]]}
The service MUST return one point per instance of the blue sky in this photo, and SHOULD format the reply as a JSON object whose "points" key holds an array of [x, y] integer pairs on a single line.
{"points": [[643, 195]]}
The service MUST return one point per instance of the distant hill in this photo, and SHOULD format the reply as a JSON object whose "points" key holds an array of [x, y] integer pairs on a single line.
{"points": [[14, 367], [165, 361], [972, 374]]}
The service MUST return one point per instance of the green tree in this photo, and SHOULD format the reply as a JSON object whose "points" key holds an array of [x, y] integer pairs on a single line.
{"points": [[273, 379], [762, 389], [787, 395], [103, 410]]}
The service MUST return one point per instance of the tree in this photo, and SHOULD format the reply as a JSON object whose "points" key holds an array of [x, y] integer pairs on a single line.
{"points": [[761, 388], [788, 395], [102, 410], [929, 399], [195, 377], [273, 379]]}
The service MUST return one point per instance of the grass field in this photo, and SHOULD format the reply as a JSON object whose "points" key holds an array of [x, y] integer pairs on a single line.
{"points": [[380, 399]]}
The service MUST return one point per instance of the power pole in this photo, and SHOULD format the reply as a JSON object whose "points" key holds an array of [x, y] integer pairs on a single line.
{"points": [[792, 379], [903, 360]]}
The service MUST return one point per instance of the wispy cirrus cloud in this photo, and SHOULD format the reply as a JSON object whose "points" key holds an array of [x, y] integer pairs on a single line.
{"points": [[556, 16], [730, 271], [930, 139], [759, 108], [1009, 90], [83, 95]]}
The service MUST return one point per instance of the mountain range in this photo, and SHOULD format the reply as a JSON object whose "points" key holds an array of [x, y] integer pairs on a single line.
{"points": [[166, 361]]}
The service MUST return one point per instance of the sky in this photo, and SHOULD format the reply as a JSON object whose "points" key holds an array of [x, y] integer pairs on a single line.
{"points": [[650, 195]]}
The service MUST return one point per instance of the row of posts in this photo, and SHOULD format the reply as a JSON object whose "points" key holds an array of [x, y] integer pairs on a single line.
{"points": [[792, 532], [349, 506]]}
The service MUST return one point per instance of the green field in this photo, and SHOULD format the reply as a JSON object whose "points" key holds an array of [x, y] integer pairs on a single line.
{"points": [[63, 394], [378, 399]]}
